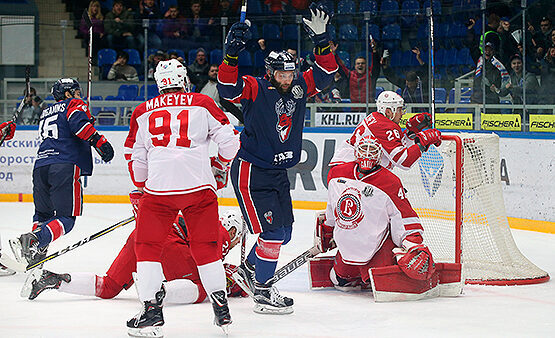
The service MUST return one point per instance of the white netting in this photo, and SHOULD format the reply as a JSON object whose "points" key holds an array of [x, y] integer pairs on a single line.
{"points": [[490, 254]]}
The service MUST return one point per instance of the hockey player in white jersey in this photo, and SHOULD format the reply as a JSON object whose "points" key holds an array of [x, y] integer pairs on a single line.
{"points": [[373, 225], [167, 151], [400, 148]]}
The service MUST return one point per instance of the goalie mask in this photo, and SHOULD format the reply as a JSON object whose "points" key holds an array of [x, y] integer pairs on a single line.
{"points": [[280, 61], [368, 153], [60, 87], [232, 221], [391, 100], [171, 74]]}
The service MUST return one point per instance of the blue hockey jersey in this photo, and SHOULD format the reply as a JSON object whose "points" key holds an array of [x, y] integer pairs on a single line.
{"points": [[272, 137], [64, 128]]}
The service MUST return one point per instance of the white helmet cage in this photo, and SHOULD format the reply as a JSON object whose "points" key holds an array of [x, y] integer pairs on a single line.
{"points": [[368, 152], [232, 219], [171, 74], [391, 100]]}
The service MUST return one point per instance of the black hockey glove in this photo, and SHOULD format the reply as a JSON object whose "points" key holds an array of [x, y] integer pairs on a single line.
{"points": [[102, 146], [316, 27], [236, 41]]}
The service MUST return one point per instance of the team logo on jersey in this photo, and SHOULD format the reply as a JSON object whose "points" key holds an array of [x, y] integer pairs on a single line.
{"points": [[348, 211], [269, 216], [284, 112], [297, 92], [368, 191], [431, 170]]}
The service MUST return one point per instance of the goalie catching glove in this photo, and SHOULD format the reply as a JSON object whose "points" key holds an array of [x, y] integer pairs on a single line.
{"points": [[220, 170], [102, 146], [414, 258]]}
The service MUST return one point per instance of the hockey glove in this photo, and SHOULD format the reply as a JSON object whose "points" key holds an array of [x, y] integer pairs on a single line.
{"points": [[236, 41], [7, 130], [414, 258], [220, 170], [233, 289], [427, 137], [419, 122], [135, 197], [323, 237], [102, 146], [316, 27]]}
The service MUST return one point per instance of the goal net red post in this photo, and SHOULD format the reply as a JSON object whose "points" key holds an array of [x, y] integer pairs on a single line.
{"points": [[456, 191]]}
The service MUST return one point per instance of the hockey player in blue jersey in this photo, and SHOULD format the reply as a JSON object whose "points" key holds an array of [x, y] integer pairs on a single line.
{"points": [[274, 108], [68, 133]]}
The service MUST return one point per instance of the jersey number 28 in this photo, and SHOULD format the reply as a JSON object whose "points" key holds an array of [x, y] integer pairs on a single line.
{"points": [[162, 132]]}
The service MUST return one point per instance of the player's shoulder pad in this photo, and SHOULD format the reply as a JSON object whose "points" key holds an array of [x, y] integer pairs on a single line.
{"points": [[342, 170], [76, 105]]}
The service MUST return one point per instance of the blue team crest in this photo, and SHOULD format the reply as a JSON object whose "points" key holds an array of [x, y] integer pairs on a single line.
{"points": [[284, 112], [431, 170]]}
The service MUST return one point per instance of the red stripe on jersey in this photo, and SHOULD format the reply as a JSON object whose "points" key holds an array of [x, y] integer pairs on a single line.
{"points": [[77, 192], [132, 174], [180, 191], [86, 131], [309, 79], [133, 126], [244, 186], [268, 250], [207, 102], [326, 62], [228, 74], [77, 105], [127, 157], [56, 229]]}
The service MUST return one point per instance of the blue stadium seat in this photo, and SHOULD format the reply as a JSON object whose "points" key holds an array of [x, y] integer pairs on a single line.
{"points": [[151, 51], [152, 91], [464, 58], [128, 92], [271, 31], [389, 11], [440, 95], [391, 36], [259, 65], [179, 52], [191, 56], [95, 98], [451, 57], [134, 57], [47, 98], [368, 6], [245, 59], [410, 9], [436, 4], [290, 32], [345, 57], [378, 91], [216, 56], [373, 31], [345, 10], [113, 98], [106, 56], [331, 31], [439, 57], [348, 32], [165, 5], [396, 59]]}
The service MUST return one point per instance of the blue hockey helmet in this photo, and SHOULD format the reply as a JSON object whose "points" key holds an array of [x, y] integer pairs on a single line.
{"points": [[60, 87], [283, 61]]}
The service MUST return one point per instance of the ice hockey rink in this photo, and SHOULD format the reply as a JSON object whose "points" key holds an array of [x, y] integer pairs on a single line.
{"points": [[481, 311]]}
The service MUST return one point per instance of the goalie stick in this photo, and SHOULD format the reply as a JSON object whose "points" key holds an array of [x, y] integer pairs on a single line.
{"points": [[281, 272], [89, 74], [20, 267], [22, 103]]}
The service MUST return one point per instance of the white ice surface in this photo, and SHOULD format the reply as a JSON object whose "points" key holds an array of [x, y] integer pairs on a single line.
{"points": [[482, 311]]}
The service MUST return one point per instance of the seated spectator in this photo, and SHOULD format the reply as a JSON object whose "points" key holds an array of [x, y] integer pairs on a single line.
{"points": [[198, 70], [119, 27], [174, 29], [148, 9], [97, 20], [358, 77], [174, 55], [496, 77], [543, 37], [121, 71], [225, 10], [515, 86], [414, 84], [32, 108], [210, 87], [201, 31], [153, 62]]}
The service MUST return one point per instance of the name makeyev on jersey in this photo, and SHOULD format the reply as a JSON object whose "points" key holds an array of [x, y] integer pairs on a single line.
{"points": [[167, 145]]}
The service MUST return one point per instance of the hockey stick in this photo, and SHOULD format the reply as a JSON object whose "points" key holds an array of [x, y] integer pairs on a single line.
{"points": [[21, 104], [243, 241], [76, 245], [89, 75], [243, 11], [281, 272]]}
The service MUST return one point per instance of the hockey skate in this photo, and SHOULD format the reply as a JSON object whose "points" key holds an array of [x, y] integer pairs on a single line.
{"points": [[222, 318], [346, 285], [5, 271], [148, 322], [40, 280], [267, 300], [244, 277], [26, 249]]}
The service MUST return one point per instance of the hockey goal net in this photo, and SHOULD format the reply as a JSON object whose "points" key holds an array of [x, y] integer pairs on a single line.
{"points": [[456, 190]]}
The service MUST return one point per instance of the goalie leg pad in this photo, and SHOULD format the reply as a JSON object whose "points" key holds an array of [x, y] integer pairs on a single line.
{"points": [[390, 284], [450, 279], [319, 272]]}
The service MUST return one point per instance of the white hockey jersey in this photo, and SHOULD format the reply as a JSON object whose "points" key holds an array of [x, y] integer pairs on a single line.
{"points": [[398, 149], [366, 210], [167, 145]]}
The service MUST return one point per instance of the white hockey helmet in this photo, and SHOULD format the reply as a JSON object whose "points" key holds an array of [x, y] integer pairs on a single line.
{"points": [[368, 152], [391, 100], [232, 219], [171, 74]]}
